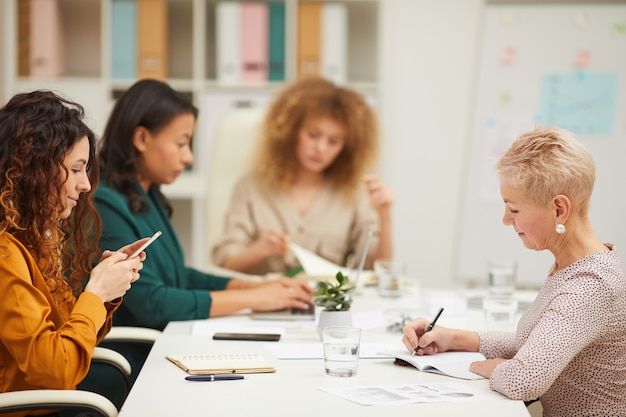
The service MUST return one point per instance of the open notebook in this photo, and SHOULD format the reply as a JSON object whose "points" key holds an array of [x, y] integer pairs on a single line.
{"points": [[454, 364]]}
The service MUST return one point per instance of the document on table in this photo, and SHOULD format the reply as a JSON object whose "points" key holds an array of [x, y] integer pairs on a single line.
{"points": [[316, 266], [316, 350], [412, 393]]}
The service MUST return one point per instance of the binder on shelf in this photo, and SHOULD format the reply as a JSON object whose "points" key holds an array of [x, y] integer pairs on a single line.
{"points": [[228, 41], [123, 39], [47, 48], [334, 51], [309, 41], [276, 42], [152, 34], [254, 28], [23, 38]]}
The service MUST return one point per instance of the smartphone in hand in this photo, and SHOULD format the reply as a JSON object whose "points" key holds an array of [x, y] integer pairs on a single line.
{"points": [[145, 245]]}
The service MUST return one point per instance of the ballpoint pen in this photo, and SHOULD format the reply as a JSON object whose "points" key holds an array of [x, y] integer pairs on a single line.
{"points": [[212, 378], [429, 328]]}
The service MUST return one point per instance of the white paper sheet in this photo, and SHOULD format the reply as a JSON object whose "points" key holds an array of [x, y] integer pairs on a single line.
{"points": [[314, 265], [412, 393]]}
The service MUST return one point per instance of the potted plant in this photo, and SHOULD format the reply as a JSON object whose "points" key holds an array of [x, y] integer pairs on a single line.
{"points": [[335, 300]]}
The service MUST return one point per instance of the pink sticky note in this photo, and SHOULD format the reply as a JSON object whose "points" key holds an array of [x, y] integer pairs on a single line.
{"points": [[582, 58], [509, 55]]}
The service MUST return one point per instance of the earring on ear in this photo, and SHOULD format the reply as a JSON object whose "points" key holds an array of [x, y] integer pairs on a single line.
{"points": [[560, 228]]}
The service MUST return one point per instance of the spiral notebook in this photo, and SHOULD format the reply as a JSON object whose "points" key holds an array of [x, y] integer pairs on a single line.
{"points": [[222, 364]]}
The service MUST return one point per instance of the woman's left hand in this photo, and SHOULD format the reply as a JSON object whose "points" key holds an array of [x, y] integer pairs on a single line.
{"points": [[128, 249], [379, 195], [485, 368]]}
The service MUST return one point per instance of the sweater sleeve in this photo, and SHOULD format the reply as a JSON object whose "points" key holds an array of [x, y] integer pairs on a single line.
{"points": [[240, 229], [50, 354], [550, 346]]}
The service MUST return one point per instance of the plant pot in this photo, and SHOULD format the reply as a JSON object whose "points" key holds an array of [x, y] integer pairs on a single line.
{"points": [[333, 318]]}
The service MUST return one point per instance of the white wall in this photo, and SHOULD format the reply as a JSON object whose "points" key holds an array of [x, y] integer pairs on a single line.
{"points": [[429, 55], [2, 70]]}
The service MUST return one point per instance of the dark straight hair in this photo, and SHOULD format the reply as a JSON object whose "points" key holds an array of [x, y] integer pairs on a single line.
{"points": [[148, 103]]}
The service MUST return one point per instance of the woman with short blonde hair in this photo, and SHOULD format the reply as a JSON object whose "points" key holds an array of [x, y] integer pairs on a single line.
{"points": [[569, 349]]}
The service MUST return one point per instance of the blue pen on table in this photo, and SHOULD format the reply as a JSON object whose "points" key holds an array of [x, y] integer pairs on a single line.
{"points": [[429, 328], [212, 378]]}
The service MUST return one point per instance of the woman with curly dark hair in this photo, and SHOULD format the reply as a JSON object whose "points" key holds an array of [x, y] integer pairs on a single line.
{"points": [[310, 184], [48, 233]]}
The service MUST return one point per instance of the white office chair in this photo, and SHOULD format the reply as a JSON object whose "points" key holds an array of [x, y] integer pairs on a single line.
{"points": [[132, 334], [134, 343], [50, 399], [85, 401], [234, 142]]}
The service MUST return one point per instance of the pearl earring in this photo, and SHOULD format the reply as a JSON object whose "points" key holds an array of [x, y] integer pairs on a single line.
{"points": [[560, 228]]}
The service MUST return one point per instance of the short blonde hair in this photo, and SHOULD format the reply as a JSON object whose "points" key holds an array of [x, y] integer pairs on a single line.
{"points": [[317, 97], [546, 162]]}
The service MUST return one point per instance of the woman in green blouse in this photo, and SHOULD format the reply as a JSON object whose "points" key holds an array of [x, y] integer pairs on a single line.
{"points": [[147, 143]]}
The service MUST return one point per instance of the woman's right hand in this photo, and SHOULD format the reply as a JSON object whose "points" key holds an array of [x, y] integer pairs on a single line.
{"points": [[436, 340], [280, 294], [113, 275], [439, 339], [272, 242]]}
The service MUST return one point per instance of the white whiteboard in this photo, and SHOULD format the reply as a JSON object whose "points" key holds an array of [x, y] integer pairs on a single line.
{"points": [[549, 64]]}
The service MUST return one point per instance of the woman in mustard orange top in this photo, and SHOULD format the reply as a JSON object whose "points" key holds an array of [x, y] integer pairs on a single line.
{"points": [[50, 325]]}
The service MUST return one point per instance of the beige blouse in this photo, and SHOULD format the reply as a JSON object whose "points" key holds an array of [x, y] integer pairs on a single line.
{"points": [[570, 346], [333, 228]]}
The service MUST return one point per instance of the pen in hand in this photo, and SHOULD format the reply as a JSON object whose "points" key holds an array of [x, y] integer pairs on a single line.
{"points": [[212, 378], [429, 328]]}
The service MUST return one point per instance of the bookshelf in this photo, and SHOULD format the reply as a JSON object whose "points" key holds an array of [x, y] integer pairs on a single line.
{"points": [[192, 69]]}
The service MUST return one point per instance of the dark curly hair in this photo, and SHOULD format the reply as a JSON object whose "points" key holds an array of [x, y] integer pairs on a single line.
{"points": [[148, 103], [37, 131]]}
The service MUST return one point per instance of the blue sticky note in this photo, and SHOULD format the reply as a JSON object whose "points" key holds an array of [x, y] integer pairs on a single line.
{"points": [[585, 105]]}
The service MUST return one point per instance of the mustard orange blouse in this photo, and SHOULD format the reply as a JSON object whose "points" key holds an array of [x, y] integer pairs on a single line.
{"points": [[44, 345]]}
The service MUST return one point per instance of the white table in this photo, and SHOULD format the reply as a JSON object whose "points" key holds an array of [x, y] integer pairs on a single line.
{"points": [[161, 389]]}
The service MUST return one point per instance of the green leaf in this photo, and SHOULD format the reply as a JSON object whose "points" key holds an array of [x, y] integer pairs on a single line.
{"points": [[334, 297]]}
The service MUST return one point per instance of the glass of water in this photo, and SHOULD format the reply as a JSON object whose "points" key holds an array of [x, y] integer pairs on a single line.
{"points": [[501, 277], [341, 350], [390, 275], [500, 312]]}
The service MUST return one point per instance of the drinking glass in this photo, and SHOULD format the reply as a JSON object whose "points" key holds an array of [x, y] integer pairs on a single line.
{"points": [[501, 277], [341, 350], [389, 277]]}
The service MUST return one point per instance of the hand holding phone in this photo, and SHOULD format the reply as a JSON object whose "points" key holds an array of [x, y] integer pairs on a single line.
{"points": [[145, 245]]}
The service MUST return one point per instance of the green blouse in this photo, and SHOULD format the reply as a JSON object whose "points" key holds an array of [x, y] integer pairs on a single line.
{"points": [[166, 290]]}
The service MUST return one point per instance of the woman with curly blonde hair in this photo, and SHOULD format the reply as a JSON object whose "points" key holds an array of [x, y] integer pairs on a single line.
{"points": [[309, 184], [50, 325]]}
